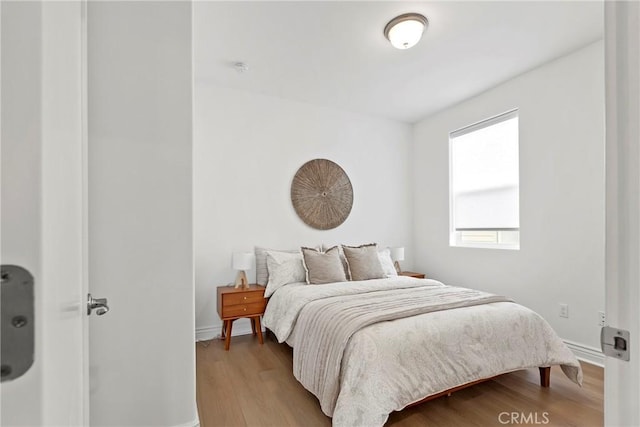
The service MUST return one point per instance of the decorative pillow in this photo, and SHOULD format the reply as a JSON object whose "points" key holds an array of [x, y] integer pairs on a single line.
{"points": [[283, 268], [363, 262], [387, 263], [323, 267], [262, 273], [342, 258]]}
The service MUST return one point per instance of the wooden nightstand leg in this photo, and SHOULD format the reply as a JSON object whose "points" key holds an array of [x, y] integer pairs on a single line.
{"points": [[258, 329], [253, 326], [227, 339]]}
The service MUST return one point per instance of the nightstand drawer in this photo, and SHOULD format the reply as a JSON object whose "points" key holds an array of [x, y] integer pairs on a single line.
{"points": [[243, 309], [243, 298]]}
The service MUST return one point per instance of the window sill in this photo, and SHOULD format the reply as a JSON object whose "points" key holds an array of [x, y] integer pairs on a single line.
{"points": [[510, 247]]}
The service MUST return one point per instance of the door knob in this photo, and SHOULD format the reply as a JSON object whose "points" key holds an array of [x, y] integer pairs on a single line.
{"points": [[97, 303]]}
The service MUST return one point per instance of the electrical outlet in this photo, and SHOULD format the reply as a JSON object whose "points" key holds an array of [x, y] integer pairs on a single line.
{"points": [[601, 318], [564, 310]]}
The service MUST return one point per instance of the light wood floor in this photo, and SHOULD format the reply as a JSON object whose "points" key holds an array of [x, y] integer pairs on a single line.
{"points": [[252, 385]]}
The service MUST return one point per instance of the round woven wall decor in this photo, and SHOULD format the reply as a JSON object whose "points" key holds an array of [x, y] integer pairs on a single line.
{"points": [[322, 194]]}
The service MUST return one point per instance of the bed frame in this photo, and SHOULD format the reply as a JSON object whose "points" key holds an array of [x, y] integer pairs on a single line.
{"points": [[545, 381]]}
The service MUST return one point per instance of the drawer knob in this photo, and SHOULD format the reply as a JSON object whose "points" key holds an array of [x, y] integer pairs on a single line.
{"points": [[245, 297], [245, 309]]}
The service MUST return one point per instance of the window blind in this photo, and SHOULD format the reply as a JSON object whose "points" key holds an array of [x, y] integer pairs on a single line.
{"points": [[485, 175]]}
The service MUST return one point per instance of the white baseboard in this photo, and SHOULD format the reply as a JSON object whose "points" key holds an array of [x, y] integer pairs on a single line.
{"points": [[585, 353], [194, 423], [207, 333], [240, 327]]}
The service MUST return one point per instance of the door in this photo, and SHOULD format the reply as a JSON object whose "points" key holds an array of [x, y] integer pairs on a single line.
{"points": [[138, 215], [622, 43], [43, 205]]}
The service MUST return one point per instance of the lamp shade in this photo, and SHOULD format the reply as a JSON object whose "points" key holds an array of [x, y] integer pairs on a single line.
{"points": [[406, 30], [243, 260], [397, 254]]}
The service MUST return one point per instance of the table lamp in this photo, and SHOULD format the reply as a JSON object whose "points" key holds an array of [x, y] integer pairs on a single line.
{"points": [[397, 254], [242, 261]]}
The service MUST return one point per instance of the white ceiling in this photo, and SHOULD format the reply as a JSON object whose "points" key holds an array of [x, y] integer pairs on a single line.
{"points": [[334, 54]]}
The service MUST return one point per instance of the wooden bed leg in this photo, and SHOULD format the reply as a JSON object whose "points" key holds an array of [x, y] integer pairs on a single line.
{"points": [[545, 376]]}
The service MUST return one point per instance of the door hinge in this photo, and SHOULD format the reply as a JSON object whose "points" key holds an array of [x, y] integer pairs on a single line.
{"points": [[615, 342], [18, 325]]}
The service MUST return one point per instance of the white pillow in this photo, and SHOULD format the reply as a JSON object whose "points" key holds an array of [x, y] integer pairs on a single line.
{"points": [[387, 264], [284, 268], [262, 274]]}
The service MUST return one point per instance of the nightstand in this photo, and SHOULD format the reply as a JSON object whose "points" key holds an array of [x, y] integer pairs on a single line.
{"points": [[239, 303], [412, 274]]}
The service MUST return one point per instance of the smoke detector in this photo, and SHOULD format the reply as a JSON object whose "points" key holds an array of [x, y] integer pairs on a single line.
{"points": [[241, 67]]}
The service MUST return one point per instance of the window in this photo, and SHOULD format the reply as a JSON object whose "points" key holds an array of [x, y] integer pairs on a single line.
{"points": [[485, 185]]}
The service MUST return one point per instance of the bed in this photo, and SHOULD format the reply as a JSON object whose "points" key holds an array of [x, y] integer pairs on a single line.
{"points": [[368, 348]]}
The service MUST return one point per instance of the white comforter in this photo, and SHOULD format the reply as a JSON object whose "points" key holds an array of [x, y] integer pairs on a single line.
{"points": [[388, 365]]}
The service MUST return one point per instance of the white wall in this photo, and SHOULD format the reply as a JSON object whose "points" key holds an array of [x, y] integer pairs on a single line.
{"points": [[247, 148], [561, 256], [140, 213]]}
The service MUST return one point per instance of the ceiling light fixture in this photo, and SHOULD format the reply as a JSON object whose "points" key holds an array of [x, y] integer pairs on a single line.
{"points": [[406, 30]]}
